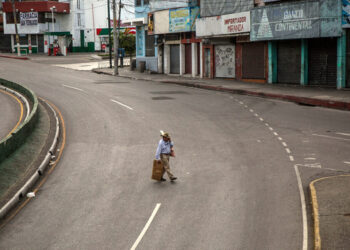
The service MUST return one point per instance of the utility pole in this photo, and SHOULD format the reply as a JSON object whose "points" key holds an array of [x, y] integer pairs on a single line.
{"points": [[16, 29], [109, 34], [116, 34]]}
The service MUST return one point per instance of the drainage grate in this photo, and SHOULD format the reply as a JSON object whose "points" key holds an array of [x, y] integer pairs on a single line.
{"points": [[168, 92], [159, 98]]}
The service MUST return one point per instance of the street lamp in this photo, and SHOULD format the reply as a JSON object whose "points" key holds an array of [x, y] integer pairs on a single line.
{"points": [[53, 26]]}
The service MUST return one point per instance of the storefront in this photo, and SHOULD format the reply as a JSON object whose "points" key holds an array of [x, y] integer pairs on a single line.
{"points": [[220, 54], [303, 38]]}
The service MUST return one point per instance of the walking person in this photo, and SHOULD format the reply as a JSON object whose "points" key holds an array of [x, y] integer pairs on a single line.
{"points": [[163, 153]]}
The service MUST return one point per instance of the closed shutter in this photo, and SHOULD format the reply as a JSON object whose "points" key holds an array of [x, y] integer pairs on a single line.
{"points": [[323, 62], [225, 61], [175, 59], [253, 61], [289, 61], [41, 43]]}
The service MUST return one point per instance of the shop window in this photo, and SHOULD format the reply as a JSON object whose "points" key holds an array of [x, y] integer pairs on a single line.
{"points": [[149, 45]]}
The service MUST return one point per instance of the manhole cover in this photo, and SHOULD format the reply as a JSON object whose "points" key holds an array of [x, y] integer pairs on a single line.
{"points": [[158, 98]]}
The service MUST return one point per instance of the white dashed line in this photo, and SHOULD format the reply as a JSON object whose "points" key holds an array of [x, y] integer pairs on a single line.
{"points": [[245, 106], [284, 144], [256, 115], [275, 133], [331, 137], [267, 125], [146, 227], [241, 103], [280, 138], [261, 119], [288, 150], [251, 110], [271, 128], [291, 158], [310, 159], [346, 134], [70, 87], [121, 104], [347, 162]]}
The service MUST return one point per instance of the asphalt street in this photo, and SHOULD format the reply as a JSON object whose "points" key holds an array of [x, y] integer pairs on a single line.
{"points": [[243, 165], [11, 109]]}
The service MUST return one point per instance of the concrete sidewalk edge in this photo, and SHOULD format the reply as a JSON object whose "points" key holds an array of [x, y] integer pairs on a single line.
{"points": [[296, 99], [16, 57]]}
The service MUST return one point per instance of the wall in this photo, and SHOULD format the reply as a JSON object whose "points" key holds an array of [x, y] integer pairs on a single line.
{"points": [[217, 8], [161, 22], [161, 4]]}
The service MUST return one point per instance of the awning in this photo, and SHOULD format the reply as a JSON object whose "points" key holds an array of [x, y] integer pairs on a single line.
{"points": [[59, 33]]}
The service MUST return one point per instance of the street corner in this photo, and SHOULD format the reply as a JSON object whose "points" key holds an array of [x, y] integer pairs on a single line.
{"points": [[331, 211]]}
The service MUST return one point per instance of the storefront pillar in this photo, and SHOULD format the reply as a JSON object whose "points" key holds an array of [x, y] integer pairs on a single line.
{"points": [[194, 59], [13, 43], [30, 44], [201, 60], [182, 59], [341, 61], [272, 47], [304, 76]]}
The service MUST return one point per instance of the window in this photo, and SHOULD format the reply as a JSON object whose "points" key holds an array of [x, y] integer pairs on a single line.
{"points": [[145, 2], [78, 4], [149, 45], [79, 19], [138, 3]]}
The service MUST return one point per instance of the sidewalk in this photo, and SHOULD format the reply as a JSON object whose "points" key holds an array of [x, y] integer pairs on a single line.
{"points": [[330, 195], [314, 96]]}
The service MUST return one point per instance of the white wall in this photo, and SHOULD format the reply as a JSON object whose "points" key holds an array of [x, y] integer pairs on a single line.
{"points": [[161, 22]]}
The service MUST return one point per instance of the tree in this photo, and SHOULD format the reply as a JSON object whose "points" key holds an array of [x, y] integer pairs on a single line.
{"points": [[127, 41]]}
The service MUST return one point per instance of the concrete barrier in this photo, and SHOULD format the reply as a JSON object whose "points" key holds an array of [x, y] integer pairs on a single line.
{"points": [[11, 143]]}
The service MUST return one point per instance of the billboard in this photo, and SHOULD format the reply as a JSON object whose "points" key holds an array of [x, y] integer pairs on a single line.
{"points": [[28, 18], [183, 19]]}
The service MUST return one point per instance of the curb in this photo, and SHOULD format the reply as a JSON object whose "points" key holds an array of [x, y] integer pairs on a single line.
{"points": [[296, 99], [315, 208], [16, 57], [21, 193]]}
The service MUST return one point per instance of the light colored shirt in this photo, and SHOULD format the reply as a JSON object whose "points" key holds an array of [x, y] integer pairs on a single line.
{"points": [[164, 147]]}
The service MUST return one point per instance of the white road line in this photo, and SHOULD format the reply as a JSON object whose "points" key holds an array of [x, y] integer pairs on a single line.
{"points": [[280, 138], [261, 119], [241, 103], [144, 230], [256, 115], [347, 162], [245, 106], [310, 159], [266, 124], [121, 104], [291, 158], [284, 144], [271, 128], [275, 133], [288, 150], [67, 86], [303, 208], [331, 137], [346, 134], [251, 110]]}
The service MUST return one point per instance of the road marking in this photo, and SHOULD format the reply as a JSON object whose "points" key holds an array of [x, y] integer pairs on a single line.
{"points": [[146, 226], [347, 162], [241, 103], [310, 159], [346, 134], [122, 104], [245, 106], [331, 137], [271, 128], [288, 150], [284, 144], [261, 119], [280, 138], [267, 125], [275, 133], [21, 115], [70, 87], [312, 165], [256, 115], [291, 158], [303, 208], [251, 110]]}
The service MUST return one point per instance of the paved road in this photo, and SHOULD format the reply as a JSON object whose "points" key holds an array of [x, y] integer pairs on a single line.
{"points": [[10, 111], [236, 156]]}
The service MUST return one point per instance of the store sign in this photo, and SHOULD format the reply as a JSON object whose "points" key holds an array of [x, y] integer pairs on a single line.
{"points": [[296, 21], [346, 14], [223, 25], [150, 24], [29, 18], [182, 20]]}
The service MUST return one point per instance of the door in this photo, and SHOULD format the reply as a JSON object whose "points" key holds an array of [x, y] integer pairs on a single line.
{"points": [[289, 61], [253, 61], [188, 59], [225, 61], [175, 59], [207, 62], [323, 62]]}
